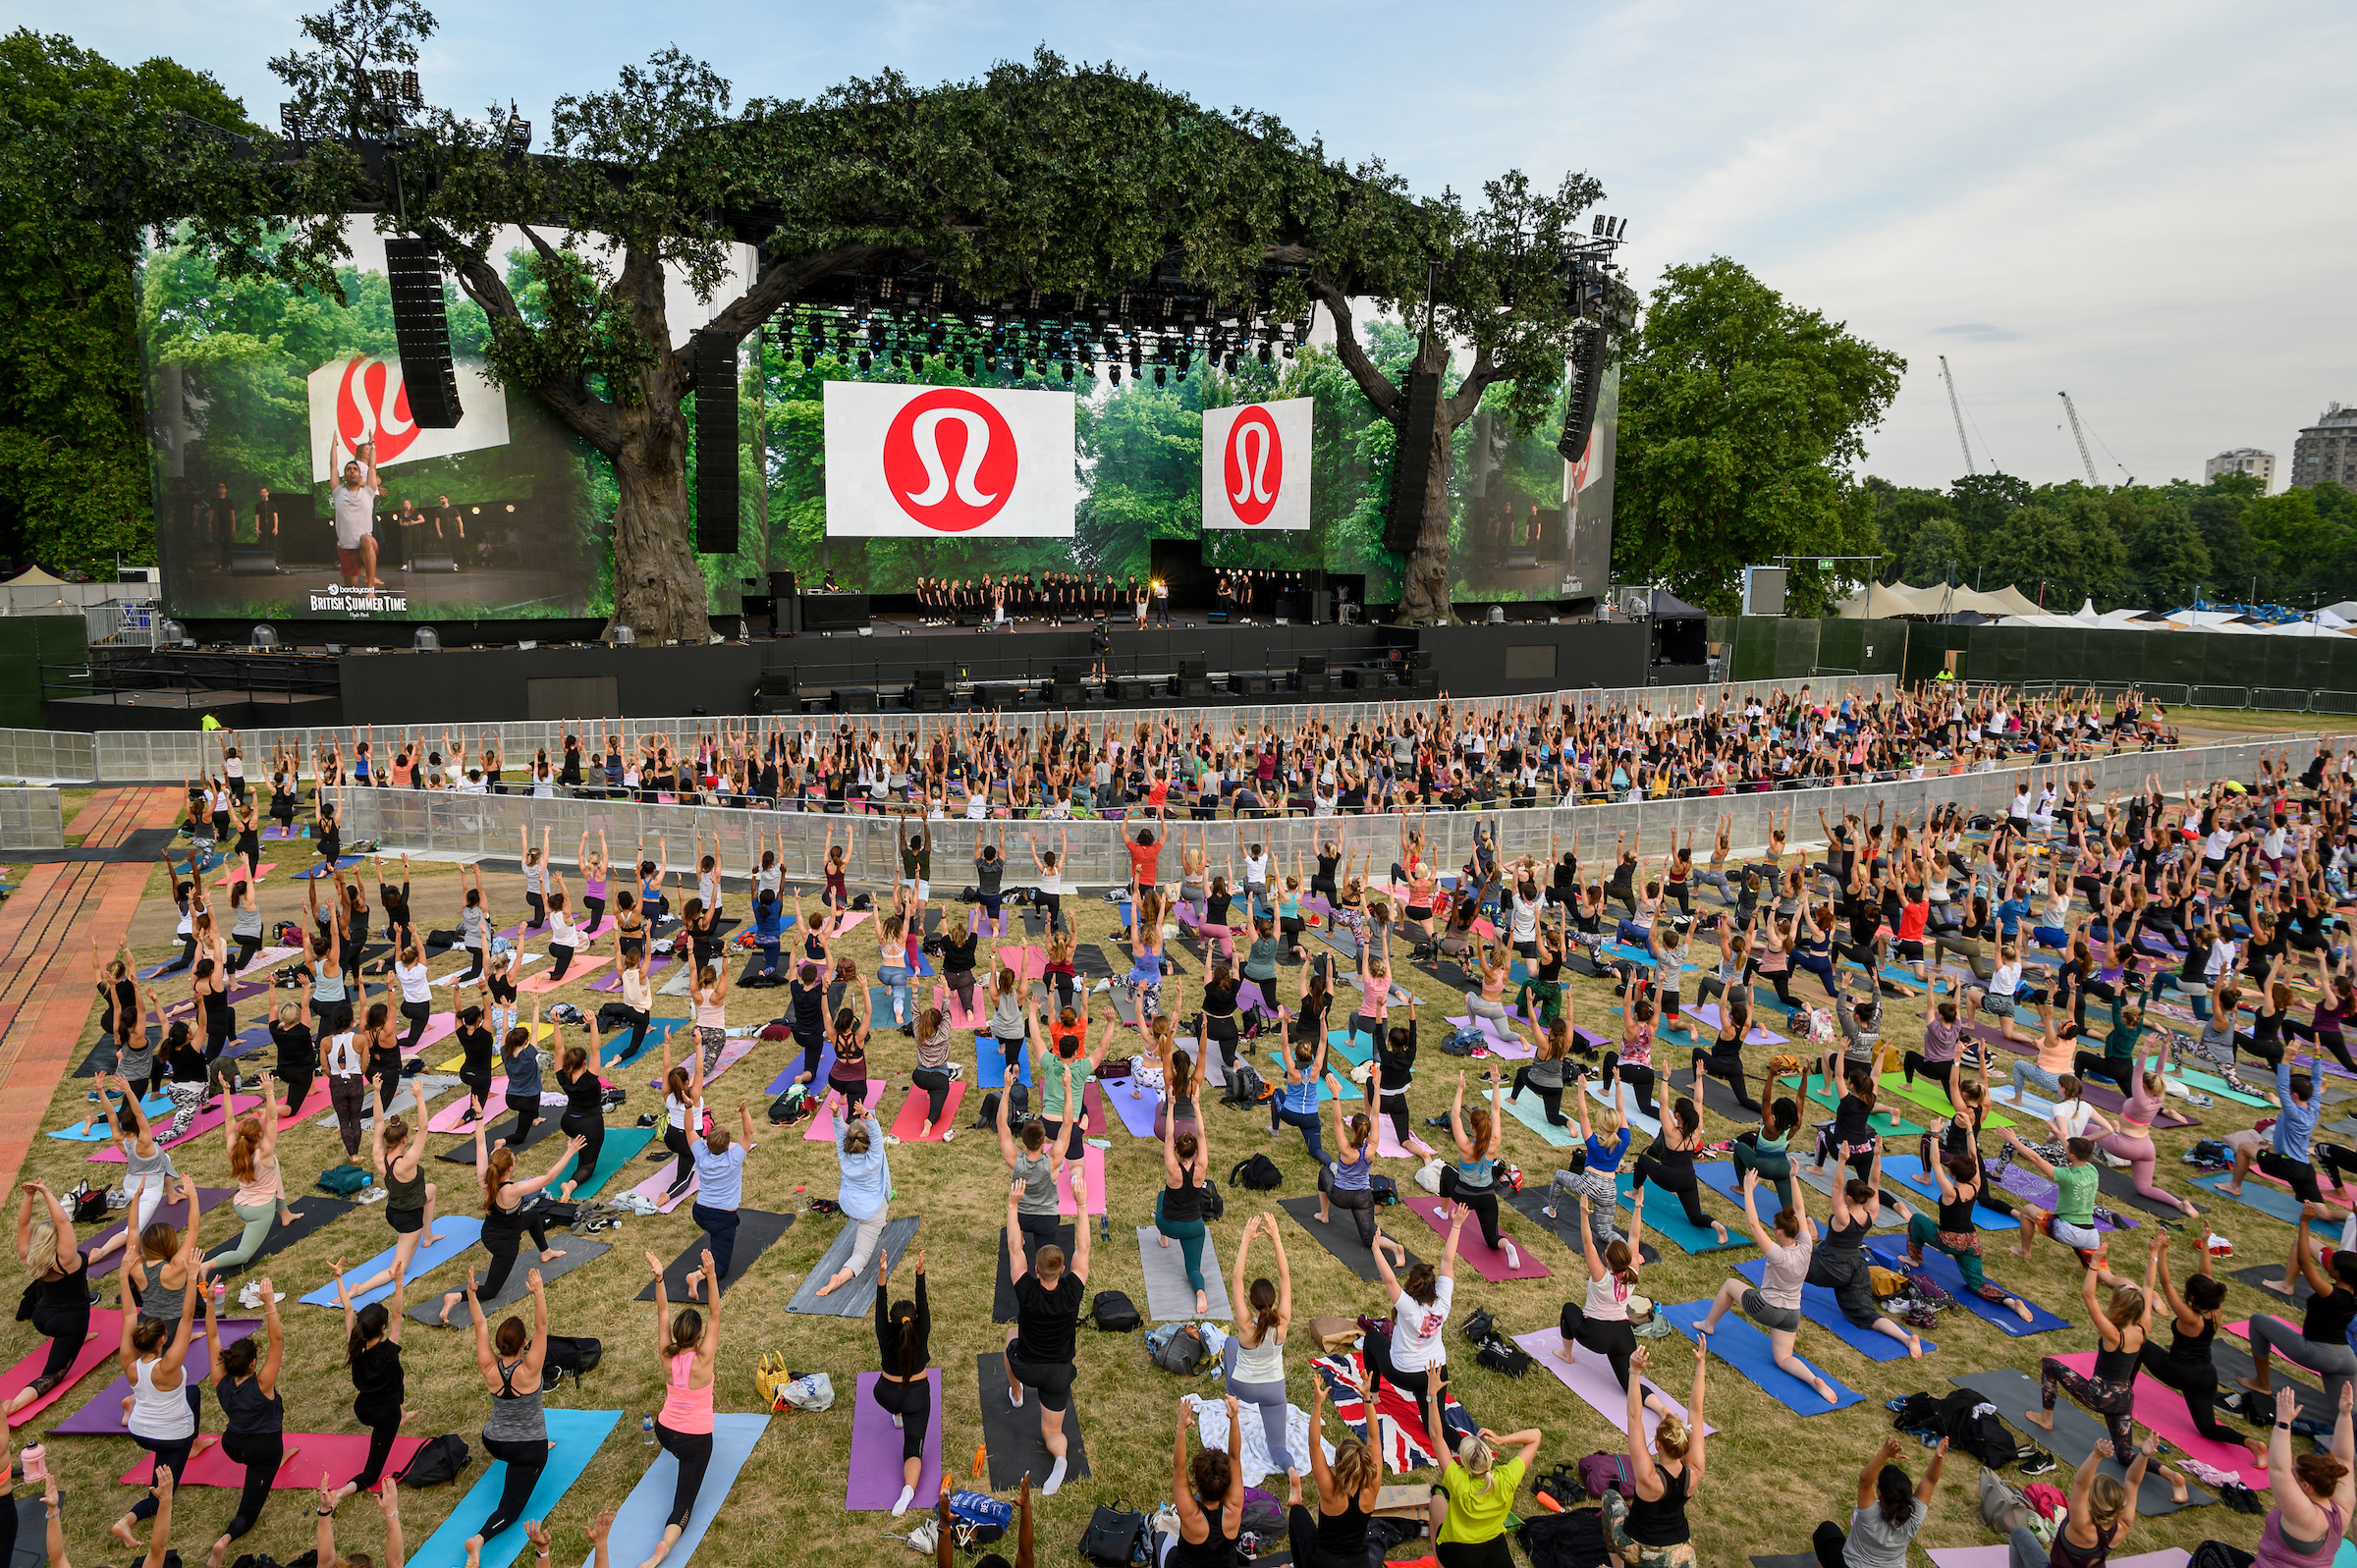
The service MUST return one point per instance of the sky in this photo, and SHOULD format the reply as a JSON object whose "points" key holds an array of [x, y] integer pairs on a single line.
{"points": [[2146, 206]]}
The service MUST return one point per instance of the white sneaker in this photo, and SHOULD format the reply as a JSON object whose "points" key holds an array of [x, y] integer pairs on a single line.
{"points": [[1513, 1258], [890, 1141], [947, 1133]]}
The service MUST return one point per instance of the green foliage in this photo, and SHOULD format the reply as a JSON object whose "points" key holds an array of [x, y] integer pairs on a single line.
{"points": [[1742, 416], [74, 486]]}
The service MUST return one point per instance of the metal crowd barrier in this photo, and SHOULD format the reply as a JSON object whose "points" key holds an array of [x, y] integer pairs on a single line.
{"points": [[31, 819], [443, 823]]}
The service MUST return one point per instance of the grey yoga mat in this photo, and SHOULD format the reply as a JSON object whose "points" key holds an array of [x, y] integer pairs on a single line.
{"points": [[1001, 1301], [2075, 1432], [1341, 1237], [577, 1250], [1819, 1179], [1011, 1433], [757, 1231], [856, 1296], [1168, 1297]]}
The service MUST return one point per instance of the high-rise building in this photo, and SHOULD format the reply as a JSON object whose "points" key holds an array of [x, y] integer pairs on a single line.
{"points": [[2327, 450], [2259, 465]]}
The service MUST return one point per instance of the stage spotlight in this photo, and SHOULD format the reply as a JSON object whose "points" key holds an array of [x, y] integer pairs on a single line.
{"points": [[1230, 367], [1067, 370], [969, 364], [916, 362], [1114, 370], [1289, 351], [809, 357], [866, 359], [1157, 380], [1264, 354]]}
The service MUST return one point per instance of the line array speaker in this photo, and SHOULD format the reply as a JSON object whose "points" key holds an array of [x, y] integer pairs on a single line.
{"points": [[716, 487], [1587, 376], [1411, 462], [421, 334]]}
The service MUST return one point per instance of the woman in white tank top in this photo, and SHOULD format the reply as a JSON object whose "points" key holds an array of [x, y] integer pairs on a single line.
{"points": [[162, 1419]]}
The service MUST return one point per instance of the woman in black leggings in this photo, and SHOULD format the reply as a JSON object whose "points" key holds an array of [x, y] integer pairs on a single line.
{"points": [[903, 1341], [516, 1431], [1670, 1164], [585, 1105], [1396, 1070], [506, 1220], [2186, 1365], [689, 1344], [256, 1433], [1472, 1183], [372, 1350], [1723, 1058]]}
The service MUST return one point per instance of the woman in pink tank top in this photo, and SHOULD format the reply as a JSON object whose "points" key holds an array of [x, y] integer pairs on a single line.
{"points": [[2305, 1526], [687, 1343]]}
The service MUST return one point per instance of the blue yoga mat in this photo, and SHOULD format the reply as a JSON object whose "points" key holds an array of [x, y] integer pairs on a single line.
{"points": [[1945, 1272], [1721, 1177], [622, 1146], [1530, 1111], [989, 1063], [2262, 1196], [155, 1107], [1908, 1170], [658, 1030], [639, 1522], [1820, 1307], [1282, 1059], [345, 863], [574, 1437], [1664, 1217], [1739, 1343], [459, 1232]]}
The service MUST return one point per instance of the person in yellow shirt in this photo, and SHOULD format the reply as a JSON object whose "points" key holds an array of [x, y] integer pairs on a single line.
{"points": [[1476, 1491]]}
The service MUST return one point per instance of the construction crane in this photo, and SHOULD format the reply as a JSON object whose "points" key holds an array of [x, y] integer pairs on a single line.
{"points": [[1956, 407], [2080, 436]]}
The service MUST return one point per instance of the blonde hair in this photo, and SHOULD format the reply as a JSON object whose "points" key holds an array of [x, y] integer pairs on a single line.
{"points": [[1672, 1436], [1475, 1457], [2106, 1500], [40, 1248], [1353, 1466]]}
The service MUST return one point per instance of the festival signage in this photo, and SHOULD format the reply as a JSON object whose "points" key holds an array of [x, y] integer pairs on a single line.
{"points": [[362, 399], [961, 462], [1256, 464]]}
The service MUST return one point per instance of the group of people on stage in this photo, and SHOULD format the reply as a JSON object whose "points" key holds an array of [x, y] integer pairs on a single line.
{"points": [[1011, 598], [1249, 594]]}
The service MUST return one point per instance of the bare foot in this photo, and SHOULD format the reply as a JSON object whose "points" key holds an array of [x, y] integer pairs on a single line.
{"points": [[842, 1276], [449, 1299], [1322, 1219], [408, 1416], [1722, 1230], [1915, 1346], [2020, 1308], [552, 1255], [1163, 1240], [1202, 1304], [2282, 1287], [121, 1531], [2042, 1420], [2259, 1387], [2235, 1189], [1825, 1390]]}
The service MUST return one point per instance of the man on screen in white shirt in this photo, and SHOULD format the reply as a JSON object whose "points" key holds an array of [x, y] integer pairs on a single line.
{"points": [[355, 507]]}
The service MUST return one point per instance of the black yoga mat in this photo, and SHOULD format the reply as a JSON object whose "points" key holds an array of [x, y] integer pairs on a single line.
{"points": [[1342, 1236], [312, 1214], [1011, 1434], [1001, 1301], [463, 1154], [1531, 1203], [757, 1231]]}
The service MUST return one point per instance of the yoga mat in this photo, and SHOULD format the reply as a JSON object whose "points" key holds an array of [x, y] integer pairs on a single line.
{"points": [[2075, 1432], [1168, 1297], [875, 1469], [1094, 1166], [1530, 1111], [1563, 1226], [343, 863], [1907, 1170], [1649, 1125], [908, 1124], [313, 1214], [2268, 1200], [2212, 1084], [207, 1120], [2233, 1361], [2000, 1555], [640, 1523], [521, 960], [622, 1147], [104, 1343], [1002, 1302], [579, 969], [459, 1232], [1887, 1122], [1135, 1104], [1589, 1376], [1945, 1275], [1665, 1217], [1388, 1145], [608, 982], [1932, 1098], [1341, 1237], [575, 1437], [1501, 1042], [990, 1064], [1011, 1434], [172, 1210], [1820, 1180], [2032, 1188], [1742, 1345], [102, 1415], [1708, 1013], [501, 1126], [1326, 1091], [1491, 1261], [341, 1454], [1817, 1304], [859, 1293], [822, 1126], [577, 1250], [658, 1190], [2256, 1278], [757, 1231], [2162, 1409], [96, 1128]]}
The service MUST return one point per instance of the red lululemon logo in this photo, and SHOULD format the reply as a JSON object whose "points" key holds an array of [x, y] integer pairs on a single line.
{"points": [[371, 403], [1255, 465], [950, 459]]}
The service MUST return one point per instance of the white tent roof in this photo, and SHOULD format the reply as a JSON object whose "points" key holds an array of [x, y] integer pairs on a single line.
{"points": [[2332, 621], [2346, 610], [2088, 616], [35, 578]]}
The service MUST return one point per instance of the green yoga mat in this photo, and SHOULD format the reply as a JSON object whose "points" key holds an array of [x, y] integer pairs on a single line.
{"points": [[1530, 1111], [1932, 1098], [2212, 1084], [622, 1147], [1887, 1123]]}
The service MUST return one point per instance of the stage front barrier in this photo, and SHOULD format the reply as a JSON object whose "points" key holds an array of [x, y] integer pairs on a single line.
{"points": [[168, 756], [31, 819], [439, 822]]}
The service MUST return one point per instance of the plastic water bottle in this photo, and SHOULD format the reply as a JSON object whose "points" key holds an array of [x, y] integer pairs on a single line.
{"points": [[646, 1425]]}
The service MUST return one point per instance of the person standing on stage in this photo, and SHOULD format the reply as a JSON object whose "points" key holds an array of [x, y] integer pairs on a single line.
{"points": [[265, 520], [450, 528], [354, 505], [221, 520]]}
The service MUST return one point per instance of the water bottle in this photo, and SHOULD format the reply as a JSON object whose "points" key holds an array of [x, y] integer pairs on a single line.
{"points": [[646, 1425]]}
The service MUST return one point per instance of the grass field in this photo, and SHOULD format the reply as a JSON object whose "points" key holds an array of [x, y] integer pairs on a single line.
{"points": [[1771, 1474]]}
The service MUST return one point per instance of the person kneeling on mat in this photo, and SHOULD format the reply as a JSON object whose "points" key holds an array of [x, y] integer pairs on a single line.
{"points": [[688, 1344], [1210, 1491], [517, 1431], [903, 1341], [1048, 1301], [1890, 1511]]}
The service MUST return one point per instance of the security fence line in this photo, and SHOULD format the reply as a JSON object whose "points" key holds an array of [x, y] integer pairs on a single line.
{"points": [[168, 756], [445, 823], [31, 819]]}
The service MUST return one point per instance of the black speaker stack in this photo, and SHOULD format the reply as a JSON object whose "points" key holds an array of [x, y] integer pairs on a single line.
{"points": [[1193, 678], [856, 699], [784, 606], [716, 487], [929, 692], [1310, 679], [1411, 462], [421, 334], [1248, 682]]}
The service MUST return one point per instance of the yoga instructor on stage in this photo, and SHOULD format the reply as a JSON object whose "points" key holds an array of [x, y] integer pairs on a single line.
{"points": [[355, 518]]}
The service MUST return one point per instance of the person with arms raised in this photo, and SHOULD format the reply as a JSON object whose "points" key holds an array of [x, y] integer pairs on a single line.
{"points": [[1049, 1299]]}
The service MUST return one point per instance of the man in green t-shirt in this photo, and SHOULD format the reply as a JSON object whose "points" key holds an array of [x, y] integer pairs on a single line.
{"points": [[2071, 1221]]}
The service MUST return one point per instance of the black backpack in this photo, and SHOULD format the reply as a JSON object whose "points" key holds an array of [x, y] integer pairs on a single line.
{"points": [[1574, 1540], [1114, 1313], [1501, 1355], [1215, 1205], [791, 1105], [1260, 1173], [575, 1355], [439, 1460]]}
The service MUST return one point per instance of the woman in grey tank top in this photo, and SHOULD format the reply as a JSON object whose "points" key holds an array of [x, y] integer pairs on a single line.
{"points": [[516, 1431]]}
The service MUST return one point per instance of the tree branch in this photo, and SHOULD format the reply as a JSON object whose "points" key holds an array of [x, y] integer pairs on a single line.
{"points": [[1374, 383], [1467, 402], [775, 287], [590, 416]]}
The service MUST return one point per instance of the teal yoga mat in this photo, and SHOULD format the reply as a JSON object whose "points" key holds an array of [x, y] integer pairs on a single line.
{"points": [[622, 1147], [575, 1437], [1665, 1218]]}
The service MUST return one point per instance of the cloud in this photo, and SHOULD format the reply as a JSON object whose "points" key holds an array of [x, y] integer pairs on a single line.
{"points": [[1980, 331]]}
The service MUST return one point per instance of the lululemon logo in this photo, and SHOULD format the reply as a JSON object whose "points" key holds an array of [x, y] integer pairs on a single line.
{"points": [[1255, 465], [372, 404], [950, 459]]}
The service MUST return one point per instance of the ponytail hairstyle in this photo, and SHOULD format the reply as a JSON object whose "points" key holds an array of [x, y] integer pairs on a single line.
{"points": [[1478, 1119], [1360, 1128], [1673, 1436], [686, 1332], [1264, 1308], [677, 1084], [517, 1039], [577, 1061], [367, 1324], [1182, 1075], [1895, 1494], [1689, 1120], [1475, 1456], [1419, 1285], [1621, 1260], [495, 1175], [244, 1148]]}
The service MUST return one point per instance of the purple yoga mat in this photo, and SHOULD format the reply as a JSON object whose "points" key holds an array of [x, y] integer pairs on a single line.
{"points": [[1135, 1106], [2031, 1187], [172, 1209], [655, 965], [875, 1482], [102, 1417]]}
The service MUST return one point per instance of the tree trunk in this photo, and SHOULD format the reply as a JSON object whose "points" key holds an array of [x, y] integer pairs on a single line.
{"points": [[657, 588], [1424, 581]]}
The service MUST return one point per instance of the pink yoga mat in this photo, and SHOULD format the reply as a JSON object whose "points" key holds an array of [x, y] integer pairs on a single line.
{"points": [[1501, 1042], [907, 1125], [656, 1189], [172, 1212], [953, 1009], [1094, 1164], [1590, 1376], [1471, 1246], [1388, 1146], [103, 1344], [1708, 1013], [2162, 1409], [655, 965], [203, 1122], [580, 968], [314, 1103], [822, 1126], [340, 1454], [238, 872], [876, 1457]]}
